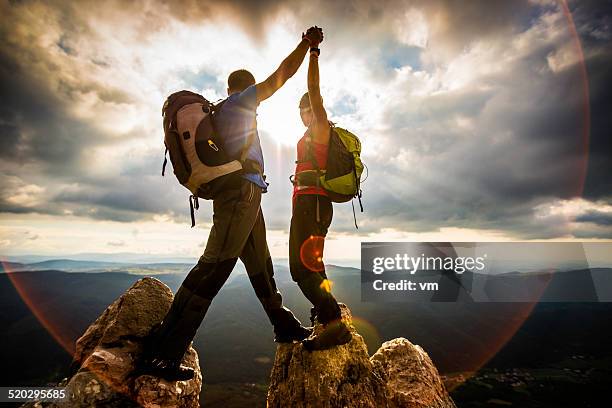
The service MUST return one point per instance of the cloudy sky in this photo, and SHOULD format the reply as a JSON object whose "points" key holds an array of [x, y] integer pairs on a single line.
{"points": [[480, 120]]}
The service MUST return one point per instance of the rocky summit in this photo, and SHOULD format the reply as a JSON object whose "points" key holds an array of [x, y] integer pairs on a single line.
{"points": [[399, 374], [105, 355]]}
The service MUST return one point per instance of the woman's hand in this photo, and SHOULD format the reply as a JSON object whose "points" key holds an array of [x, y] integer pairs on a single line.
{"points": [[314, 36]]}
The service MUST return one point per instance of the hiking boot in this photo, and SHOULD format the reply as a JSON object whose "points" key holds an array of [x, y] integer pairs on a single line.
{"points": [[297, 333], [287, 328], [334, 334], [313, 315], [170, 370]]}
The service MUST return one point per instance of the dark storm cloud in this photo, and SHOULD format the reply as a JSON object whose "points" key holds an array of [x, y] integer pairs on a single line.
{"points": [[593, 20], [253, 15], [9, 133], [40, 141], [599, 176], [138, 195], [36, 123], [596, 217]]}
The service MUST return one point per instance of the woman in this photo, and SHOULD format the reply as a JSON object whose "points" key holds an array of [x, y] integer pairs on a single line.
{"points": [[312, 215]]}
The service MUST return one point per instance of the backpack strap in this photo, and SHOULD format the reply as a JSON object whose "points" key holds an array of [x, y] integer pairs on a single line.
{"points": [[354, 216], [165, 162], [358, 188], [193, 202], [213, 113]]}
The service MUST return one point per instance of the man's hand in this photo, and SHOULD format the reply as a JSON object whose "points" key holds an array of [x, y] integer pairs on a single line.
{"points": [[314, 36], [290, 65]]}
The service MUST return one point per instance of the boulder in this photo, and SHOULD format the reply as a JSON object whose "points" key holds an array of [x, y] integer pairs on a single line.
{"points": [[411, 378], [105, 355], [399, 374]]}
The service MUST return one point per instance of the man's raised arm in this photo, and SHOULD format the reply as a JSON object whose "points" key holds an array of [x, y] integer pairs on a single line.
{"points": [[288, 67]]}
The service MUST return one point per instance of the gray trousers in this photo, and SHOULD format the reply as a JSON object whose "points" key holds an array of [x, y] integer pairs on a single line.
{"points": [[238, 231]]}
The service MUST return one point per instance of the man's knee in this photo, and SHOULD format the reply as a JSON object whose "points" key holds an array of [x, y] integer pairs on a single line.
{"points": [[263, 281], [206, 278]]}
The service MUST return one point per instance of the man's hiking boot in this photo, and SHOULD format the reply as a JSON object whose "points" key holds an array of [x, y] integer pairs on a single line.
{"points": [[334, 334], [170, 370], [287, 328], [297, 333]]}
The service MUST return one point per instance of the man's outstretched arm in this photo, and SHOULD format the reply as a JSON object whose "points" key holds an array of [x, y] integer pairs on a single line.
{"points": [[287, 68]]}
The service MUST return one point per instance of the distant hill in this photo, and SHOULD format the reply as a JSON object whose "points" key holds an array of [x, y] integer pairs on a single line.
{"points": [[120, 257], [71, 265], [11, 266]]}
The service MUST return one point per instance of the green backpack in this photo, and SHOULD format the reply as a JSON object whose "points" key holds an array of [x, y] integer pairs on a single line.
{"points": [[342, 177]]}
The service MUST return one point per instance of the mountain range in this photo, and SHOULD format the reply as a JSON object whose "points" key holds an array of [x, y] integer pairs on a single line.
{"points": [[235, 340]]}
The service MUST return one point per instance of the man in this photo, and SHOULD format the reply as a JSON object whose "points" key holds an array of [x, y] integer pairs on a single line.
{"points": [[238, 230]]}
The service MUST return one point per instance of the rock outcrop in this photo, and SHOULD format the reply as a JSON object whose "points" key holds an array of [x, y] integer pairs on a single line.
{"points": [[411, 378], [399, 374], [106, 353]]}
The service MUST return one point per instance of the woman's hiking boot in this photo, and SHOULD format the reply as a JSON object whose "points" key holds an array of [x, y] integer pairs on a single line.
{"points": [[334, 334]]}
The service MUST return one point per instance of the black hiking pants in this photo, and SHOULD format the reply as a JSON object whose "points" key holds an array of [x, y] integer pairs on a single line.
{"points": [[238, 231], [306, 242]]}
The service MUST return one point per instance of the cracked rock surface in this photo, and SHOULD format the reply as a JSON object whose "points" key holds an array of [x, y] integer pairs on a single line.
{"points": [[399, 374]]}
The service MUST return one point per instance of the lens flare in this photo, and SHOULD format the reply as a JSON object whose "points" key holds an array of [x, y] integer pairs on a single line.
{"points": [[52, 320], [586, 106], [311, 253], [326, 285], [55, 318], [369, 332]]}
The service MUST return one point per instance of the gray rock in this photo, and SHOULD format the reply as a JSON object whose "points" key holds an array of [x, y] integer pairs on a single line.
{"points": [[106, 353], [398, 375], [411, 377]]}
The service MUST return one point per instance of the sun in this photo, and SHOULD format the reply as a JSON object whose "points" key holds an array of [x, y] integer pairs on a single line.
{"points": [[279, 118]]}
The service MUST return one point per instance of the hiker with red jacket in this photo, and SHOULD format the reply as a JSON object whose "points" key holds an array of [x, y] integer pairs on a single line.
{"points": [[238, 229], [312, 214]]}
